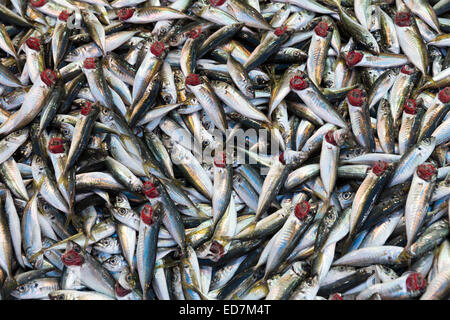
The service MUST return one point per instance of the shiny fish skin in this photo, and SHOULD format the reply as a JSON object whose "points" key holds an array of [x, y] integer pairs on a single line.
{"points": [[410, 160], [412, 44], [417, 203]]}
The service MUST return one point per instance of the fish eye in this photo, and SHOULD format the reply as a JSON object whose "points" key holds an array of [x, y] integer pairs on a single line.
{"points": [[346, 195], [122, 211], [21, 289]]}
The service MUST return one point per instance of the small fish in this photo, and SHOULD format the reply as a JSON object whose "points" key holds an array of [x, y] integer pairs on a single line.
{"points": [[224, 150]]}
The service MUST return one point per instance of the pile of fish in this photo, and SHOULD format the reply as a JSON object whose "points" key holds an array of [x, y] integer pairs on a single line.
{"points": [[230, 149]]}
